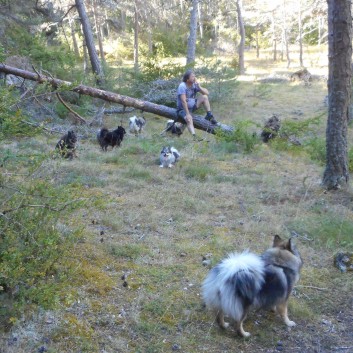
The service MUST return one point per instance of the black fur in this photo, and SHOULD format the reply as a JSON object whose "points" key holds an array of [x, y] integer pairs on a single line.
{"points": [[175, 128], [271, 129], [67, 145], [110, 138]]}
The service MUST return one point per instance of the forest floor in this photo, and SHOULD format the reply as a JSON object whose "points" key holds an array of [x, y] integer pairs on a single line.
{"points": [[141, 258]]}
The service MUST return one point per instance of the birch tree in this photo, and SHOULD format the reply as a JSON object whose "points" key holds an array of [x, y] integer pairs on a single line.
{"points": [[191, 48]]}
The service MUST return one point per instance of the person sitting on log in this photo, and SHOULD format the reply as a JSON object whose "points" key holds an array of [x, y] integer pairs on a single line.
{"points": [[187, 102]]}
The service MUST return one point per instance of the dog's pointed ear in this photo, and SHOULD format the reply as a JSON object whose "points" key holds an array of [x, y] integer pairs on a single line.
{"points": [[277, 240], [290, 245]]}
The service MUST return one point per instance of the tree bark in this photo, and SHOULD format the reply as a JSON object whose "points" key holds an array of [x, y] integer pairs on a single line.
{"points": [[242, 37], [191, 49], [136, 38], [87, 32], [339, 93], [148, 107], [300, 34]]}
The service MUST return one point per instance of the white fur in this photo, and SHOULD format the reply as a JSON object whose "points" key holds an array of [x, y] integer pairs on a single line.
{"points": [[168, 157], [136, 124], [172, 127], [218, 294]]}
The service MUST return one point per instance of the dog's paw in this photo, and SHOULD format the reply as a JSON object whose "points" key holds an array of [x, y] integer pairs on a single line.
{"points": [[290, 323], [244, 334], [225, 325], [161, 166]]}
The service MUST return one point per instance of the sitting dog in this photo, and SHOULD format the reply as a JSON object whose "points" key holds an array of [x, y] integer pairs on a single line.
{"points": [[271, 129], [136, 125], [67, 145], [175, 128], [110, 138], [168, 157], [244, 281]]}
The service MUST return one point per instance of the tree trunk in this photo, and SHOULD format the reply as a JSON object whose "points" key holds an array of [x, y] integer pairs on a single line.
{"points": [[190, 56], [136, 39], [242, 38], [274, 39], [148, 107], [87, 32], [300, 35], [200, 20], [98, 30], [339, 92], [73, 36]]}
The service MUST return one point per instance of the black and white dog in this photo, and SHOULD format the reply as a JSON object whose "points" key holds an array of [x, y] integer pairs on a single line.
{"points": [[168, 157], [175, 128], [136, 125], [110, 138]]}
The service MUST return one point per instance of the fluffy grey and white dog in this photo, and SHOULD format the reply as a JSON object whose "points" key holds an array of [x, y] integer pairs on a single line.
{"points": [[136, 125], [246, 280], [168, 157]]}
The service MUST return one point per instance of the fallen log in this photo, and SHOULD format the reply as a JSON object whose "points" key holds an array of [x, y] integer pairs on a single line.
{"points": [[145, 106]]}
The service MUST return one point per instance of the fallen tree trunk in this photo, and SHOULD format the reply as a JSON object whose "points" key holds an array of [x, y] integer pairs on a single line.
{"points": [[144, 106]]}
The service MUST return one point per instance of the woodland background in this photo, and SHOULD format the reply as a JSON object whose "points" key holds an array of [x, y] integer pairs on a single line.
{"points": [[106, 253]]}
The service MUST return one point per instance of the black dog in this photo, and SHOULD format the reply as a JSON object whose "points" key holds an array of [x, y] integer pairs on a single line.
{"points": [[271, 129], [110, 138], [67, 145]]}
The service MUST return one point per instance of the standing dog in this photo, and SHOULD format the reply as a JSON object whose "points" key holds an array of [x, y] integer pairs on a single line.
{"points": [[168, 157], [136, 124], [110, 138], [244, 281], [67, 145]]}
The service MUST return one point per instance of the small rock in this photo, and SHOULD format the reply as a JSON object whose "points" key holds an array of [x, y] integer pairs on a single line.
{"points": [[175, 347], [206, 263], [207, 256], [183, 254]]}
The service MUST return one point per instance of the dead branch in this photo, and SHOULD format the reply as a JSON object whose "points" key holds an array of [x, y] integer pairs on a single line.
{"points": [[144, 106], [79, 117]]}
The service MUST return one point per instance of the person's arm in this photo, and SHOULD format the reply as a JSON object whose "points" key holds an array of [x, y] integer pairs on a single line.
{"points": [[202, 89]]}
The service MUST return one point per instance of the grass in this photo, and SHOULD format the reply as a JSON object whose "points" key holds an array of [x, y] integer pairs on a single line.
{"points": [[153, 227]]}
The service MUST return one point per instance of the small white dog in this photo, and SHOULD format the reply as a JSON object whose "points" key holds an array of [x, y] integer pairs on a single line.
{"points": [[168, 157], [175, 128], [136, 124]]}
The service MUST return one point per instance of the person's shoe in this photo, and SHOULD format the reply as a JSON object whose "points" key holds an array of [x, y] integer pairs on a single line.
{"points": [[211, 118]]}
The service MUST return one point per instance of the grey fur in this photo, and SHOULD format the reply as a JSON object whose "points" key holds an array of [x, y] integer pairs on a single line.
{"points": [[245, 281]]}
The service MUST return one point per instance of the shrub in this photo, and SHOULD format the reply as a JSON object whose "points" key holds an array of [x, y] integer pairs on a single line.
{"points": [[244, 139], [34, 243], [12, 122]]}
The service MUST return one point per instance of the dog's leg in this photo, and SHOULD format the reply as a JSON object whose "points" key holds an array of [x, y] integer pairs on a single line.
{"points": [[240, 329], [283, 311], [220, 320]]}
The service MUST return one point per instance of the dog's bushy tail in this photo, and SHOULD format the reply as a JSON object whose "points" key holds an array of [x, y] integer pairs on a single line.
{"points": [[233, 284]]}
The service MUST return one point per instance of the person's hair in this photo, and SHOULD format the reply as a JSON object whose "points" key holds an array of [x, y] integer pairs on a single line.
{"points": [[187, 75]]}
